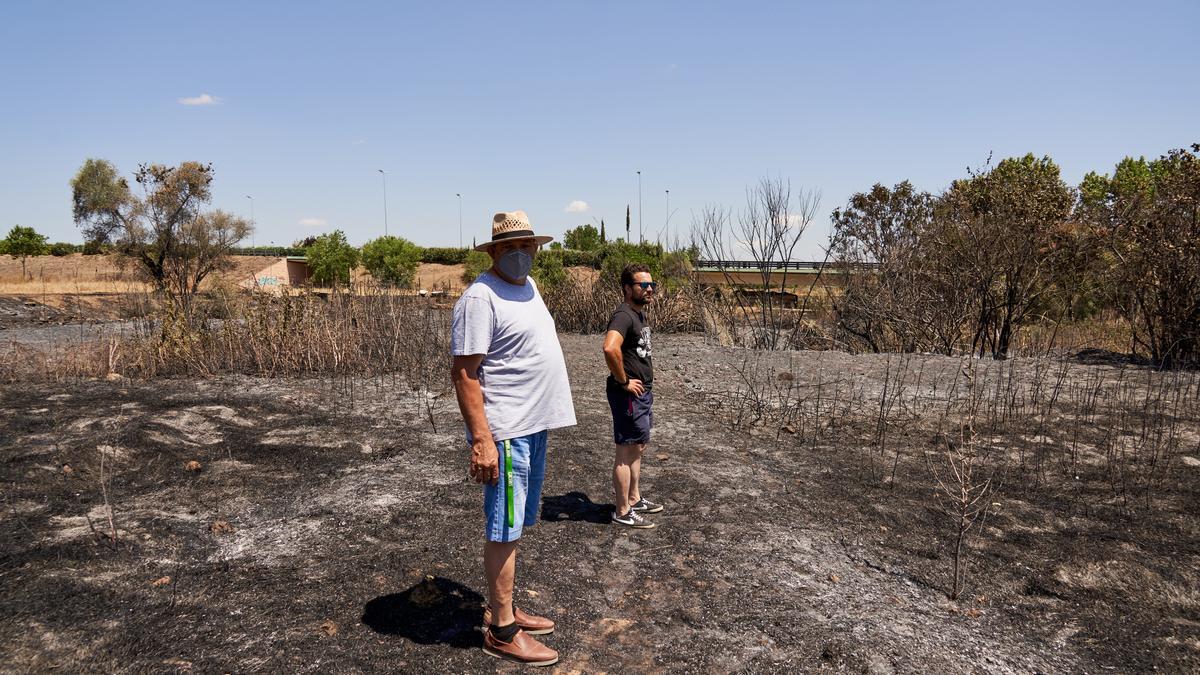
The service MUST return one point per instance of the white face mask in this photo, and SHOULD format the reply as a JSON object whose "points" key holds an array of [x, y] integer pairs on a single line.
{"points": [[515, 264]]}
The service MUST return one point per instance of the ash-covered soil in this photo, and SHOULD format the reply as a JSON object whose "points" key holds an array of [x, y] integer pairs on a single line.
{"points": [[330, 528], [19, 311]]}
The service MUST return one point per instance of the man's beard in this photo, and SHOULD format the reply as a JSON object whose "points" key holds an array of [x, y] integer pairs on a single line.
{"points": [[641, 302]]}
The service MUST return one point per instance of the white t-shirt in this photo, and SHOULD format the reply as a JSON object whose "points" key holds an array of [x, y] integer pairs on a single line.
{"points": [[523, 374]]}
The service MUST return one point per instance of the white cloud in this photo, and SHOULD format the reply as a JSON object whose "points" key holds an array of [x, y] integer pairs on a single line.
{"points": [[313, 222], [577, 206], [798, 220], [360, 141], [202, 99]]}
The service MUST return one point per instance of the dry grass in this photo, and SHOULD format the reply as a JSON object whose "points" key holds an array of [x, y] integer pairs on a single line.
{"points": [[54, 269], [63, 288], [432, 276], [78, 273], [1104, 333]]}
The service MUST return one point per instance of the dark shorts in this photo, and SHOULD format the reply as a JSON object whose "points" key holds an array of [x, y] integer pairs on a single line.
{"points": [[632, 416]]}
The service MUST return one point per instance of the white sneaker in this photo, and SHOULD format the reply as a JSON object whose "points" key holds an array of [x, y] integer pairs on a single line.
{"points": [[646, 506], [632, 519]]}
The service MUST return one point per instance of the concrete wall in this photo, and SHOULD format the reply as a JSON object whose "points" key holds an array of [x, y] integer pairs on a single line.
{"points": [[279, 275], [795, 280]]}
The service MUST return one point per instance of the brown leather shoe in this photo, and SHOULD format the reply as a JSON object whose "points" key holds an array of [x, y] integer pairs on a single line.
{"points": [[534, 625], [523, 649]]}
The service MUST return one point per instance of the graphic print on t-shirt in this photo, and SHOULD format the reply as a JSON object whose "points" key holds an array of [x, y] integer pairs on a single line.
{"points": [[636, 345], [644, 348]]}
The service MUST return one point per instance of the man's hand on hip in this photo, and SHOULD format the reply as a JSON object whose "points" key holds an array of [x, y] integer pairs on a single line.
{"points": [[635, 387], [485, 461]]}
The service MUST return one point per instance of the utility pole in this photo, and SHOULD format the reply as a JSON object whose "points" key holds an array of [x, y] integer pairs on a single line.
{"points": [[251, 220], [639, 207]]}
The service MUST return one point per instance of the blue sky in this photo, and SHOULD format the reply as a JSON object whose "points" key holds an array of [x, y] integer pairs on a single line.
{"points": [[538, 105]]}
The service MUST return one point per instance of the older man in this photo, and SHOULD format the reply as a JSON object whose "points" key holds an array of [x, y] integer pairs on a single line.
{"points": [[511, 381]]}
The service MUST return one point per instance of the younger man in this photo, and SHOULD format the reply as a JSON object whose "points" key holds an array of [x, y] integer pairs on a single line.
{"points": [[627, 351]]}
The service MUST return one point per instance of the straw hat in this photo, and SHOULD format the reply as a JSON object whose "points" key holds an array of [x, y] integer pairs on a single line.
{"points": [[508, 225]]}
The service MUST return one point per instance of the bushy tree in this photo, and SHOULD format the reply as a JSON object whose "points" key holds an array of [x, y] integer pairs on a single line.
{"points": [[477, 263], [677, 269], [444, 255], [616, 255], [582, 238], [548, 270], [165, 231], [392, 260], [23, 242], [1004, 223], [887, 249], [331, 258], [62, 248], [1148, 217]]}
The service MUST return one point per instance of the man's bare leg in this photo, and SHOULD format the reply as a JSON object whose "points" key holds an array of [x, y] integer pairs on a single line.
{"points": [[626, 455], [635, 474], [500, 567]]}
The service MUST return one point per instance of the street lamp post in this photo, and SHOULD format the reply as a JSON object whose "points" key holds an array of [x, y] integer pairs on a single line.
{"points": [[385, 227], [459, 195], [639, 207], [251, 220], [667, 224]]}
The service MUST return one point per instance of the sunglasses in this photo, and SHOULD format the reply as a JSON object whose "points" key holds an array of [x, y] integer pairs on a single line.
{"points": [[646, 285]]}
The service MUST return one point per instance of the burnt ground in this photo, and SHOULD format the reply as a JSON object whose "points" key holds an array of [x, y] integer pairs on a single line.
{"points": [[331, 528]]}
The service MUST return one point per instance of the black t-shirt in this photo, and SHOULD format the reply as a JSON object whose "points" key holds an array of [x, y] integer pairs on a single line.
{"points": [[636, 352]]}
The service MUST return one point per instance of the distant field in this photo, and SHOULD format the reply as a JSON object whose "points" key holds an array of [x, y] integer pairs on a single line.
{"points": [[74, 273], [77, 274]]}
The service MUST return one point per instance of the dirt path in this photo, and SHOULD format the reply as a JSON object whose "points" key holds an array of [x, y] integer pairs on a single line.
{"points": [[332, 529]]}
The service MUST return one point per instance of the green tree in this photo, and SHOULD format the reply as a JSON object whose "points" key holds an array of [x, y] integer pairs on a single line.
{"points": [[62, 248], [331, 258], [1005, 222], [616, 255], [166, 232], [904, 302], [1147, 217], [392, 260], [627, 221], [548, 270], [23, 242], [603, 236], [582, 238], [477, 263]]}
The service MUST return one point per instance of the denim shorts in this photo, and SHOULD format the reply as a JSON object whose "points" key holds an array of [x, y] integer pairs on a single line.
{"points": [[512, 503], [632, 415]]}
